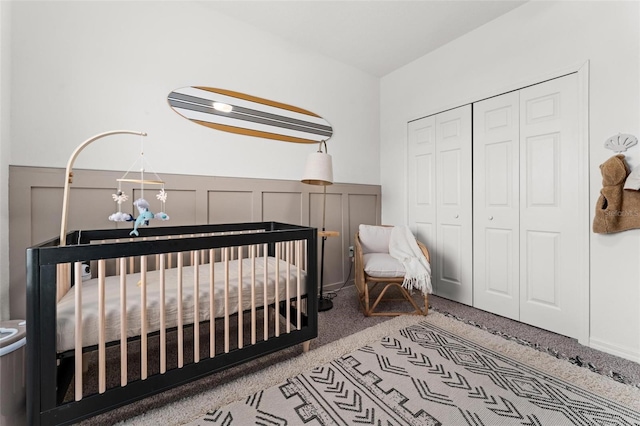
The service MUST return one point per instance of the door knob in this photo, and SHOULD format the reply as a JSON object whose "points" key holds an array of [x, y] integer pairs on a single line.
{"points": [[457, 216], [490, 217]]}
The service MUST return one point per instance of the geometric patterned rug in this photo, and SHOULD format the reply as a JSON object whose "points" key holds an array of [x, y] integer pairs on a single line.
{"points": [[424, 375]]}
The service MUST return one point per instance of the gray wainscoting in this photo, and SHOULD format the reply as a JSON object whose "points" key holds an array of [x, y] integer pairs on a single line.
{"points": [[35, 210]]}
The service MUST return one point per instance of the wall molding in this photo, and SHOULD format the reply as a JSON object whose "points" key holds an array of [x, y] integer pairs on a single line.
{"points": [[35, 209], [632, 354]]}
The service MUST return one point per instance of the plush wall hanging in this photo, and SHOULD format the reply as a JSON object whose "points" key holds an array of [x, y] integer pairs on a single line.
{"points": [[618, 207], [248, 115]]}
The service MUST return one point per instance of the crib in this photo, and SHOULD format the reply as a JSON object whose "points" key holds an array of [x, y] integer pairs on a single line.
{"points": [[114, 319]]}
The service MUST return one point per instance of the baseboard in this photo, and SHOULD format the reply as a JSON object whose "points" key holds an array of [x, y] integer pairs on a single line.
{"points": [[337, 286], [613, 349]]}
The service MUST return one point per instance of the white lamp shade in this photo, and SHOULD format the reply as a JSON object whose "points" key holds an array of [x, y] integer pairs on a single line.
{"points": [[318, 170]]}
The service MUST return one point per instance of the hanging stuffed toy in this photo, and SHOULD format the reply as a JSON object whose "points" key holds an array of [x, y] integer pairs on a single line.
{"points": [[145, 215], [618, 207], [144, 210]]}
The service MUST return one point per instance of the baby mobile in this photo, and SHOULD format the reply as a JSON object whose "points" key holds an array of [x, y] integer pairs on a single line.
{"points": [[144, 209]]}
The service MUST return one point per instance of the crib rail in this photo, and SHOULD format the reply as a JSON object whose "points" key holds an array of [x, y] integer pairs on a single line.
{"points": [[172, 348]]}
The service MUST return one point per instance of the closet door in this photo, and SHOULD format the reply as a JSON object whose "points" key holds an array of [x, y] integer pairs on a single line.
{"points": [[496, 205], [549, 205], [421, 185], [454, 210]]}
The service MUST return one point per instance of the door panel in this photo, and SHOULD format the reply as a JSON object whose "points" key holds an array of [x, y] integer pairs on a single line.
{"points": [[499, 244], [542, 268], [496, 205], [421, 185], [542, 179], [450, 242], [426, 232], [549, 205], [454, 207], [424, 183]]}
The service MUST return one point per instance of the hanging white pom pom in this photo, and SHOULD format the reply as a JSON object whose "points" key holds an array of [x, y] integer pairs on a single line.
{"points": [[120, 197], [162, 195]]}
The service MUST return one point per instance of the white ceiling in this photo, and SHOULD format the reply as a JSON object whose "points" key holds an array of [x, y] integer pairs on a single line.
{"points": [[376, 37]]}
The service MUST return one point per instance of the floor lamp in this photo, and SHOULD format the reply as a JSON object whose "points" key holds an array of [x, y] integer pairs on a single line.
{"points": [[319, 171]]}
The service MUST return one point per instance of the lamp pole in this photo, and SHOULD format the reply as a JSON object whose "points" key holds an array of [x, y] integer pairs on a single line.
{"points": [[324, 304], [319, 171]]}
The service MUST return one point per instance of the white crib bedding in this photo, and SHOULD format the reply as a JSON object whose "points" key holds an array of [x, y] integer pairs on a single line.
{"points": [[65, 338]]}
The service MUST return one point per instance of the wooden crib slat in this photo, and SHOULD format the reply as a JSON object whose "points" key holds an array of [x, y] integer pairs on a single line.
{"points": [[288, 289], [121, 266], [78, 331], [265, 294], [102, 331], [143, 317], [298, 284], [196, 307], [253, 294], [119, 263], [240, 316], [226, 299], [277, 292], [63, 279], [163, 317], [212, 316], [203, 253], [180, 330]]}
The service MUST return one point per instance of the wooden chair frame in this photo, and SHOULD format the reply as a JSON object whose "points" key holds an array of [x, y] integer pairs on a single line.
{"points": [[365, 284]]}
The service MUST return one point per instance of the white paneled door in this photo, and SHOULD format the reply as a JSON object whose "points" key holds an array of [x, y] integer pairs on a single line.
{"points": [[526, 207], [454, 216], [550, 185], [439, 195], [496, 205], [422, 185], [505, 226]]}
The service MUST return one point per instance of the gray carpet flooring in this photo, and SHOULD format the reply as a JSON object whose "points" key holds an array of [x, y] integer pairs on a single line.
{"points": [[619, 369], [345, 318]]}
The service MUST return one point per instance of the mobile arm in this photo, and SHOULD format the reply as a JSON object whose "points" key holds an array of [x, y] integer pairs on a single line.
{"points": [[69, 175]]}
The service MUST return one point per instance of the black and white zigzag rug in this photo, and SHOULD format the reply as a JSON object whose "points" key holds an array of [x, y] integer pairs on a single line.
{"points": [[425, 375]]}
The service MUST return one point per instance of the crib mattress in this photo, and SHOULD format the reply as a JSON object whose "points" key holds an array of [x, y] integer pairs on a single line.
{"points": [[65, 338]]}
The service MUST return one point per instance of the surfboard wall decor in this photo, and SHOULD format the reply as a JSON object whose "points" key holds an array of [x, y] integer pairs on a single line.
{"points": [[248, 115]]}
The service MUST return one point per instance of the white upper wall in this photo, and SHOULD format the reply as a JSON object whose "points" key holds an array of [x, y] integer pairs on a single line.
{"points": [[82, 68], [528, 43], [77, 69]]}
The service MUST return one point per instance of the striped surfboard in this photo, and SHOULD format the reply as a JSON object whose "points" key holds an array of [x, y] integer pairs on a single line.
{"points": [[235, 112]]}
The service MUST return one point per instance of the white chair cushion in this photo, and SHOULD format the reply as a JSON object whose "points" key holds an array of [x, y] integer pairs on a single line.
{"points": [[382, 265], [374, 239]]}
